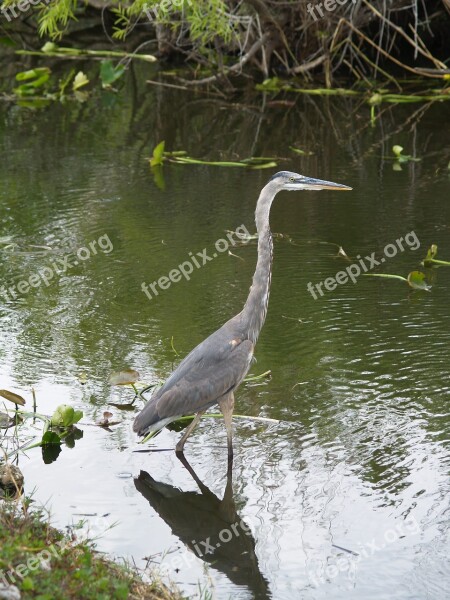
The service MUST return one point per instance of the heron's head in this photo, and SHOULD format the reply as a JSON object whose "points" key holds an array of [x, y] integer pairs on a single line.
{"points": [[286, 180]]}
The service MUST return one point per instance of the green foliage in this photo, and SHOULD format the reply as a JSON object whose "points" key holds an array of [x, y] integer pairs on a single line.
{"points": [[79, 81], [75, 570], [55, 16], [416, 279], [65, 416], [50, 438], [402, 158], [110, 73], [34, 79], [158, 155], [208, 19], [430, 259], [205, 19]]}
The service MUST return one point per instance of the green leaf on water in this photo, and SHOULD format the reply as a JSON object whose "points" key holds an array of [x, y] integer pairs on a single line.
{"points": [[180, 158], [34, 78], [32, 74], [403, 158], [110, 73], [301, 152], [416, 280], [430, 259], [80, 81], [253, 163], [158, 155], [50, 438], [65, 416], [49, 47]]}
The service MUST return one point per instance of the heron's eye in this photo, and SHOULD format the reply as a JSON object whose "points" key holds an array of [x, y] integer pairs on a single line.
{"points": [[291, 178]]}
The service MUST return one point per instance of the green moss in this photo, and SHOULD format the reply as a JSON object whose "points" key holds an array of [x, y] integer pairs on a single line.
{"points": [[47, 565]]}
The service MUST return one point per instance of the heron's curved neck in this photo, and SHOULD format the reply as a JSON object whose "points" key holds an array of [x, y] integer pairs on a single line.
{"points": [[254, 312]]}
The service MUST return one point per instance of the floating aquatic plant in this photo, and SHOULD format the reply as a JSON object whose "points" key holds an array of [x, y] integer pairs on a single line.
{"points": [[415, 280], [15, 398], [430, 259], [160, 156], [65, 416], [126, 377], [33, 80], [402, 158], [110, 73], [50, 49]]}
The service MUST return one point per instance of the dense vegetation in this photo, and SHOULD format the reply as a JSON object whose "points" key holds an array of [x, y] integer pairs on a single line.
{"points": [[358, 38]]}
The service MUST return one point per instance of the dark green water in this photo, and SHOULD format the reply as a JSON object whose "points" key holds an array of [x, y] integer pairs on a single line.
{"points": [[347, 496]]}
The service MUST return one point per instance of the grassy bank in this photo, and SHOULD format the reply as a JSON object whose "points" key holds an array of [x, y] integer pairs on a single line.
{"points": [[43, 563]]}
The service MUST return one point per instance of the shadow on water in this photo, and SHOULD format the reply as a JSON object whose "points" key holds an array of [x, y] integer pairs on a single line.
{"points": [[211, 528]]}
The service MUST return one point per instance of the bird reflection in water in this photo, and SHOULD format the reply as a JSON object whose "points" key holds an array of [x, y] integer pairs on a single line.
{"points": [[209, 527]]}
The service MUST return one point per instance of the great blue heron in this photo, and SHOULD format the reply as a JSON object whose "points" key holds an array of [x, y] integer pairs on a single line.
{"points": [[212, 372]]}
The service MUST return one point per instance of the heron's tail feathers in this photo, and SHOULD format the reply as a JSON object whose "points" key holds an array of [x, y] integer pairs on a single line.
{"points": [[148, 421]]}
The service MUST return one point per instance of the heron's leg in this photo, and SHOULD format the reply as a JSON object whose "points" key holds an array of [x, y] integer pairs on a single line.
{"points": [[226, 405], [179, 447]]}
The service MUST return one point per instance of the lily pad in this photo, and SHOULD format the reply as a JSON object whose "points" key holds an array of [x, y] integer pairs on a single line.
{"points": [[50, 438], [416, 280], [65, 416], [127, 377], [15, 398]]}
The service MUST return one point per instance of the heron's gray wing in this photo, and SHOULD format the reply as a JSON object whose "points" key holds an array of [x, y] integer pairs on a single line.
{"points": [[211, 351], [207, 381], [212, 369]]}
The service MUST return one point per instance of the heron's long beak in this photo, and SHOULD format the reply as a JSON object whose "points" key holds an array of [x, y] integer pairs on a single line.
{"points": [[309, 183]]}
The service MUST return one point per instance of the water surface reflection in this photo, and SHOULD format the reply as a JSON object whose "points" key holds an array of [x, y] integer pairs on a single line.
{"points": [[359, 377]]}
